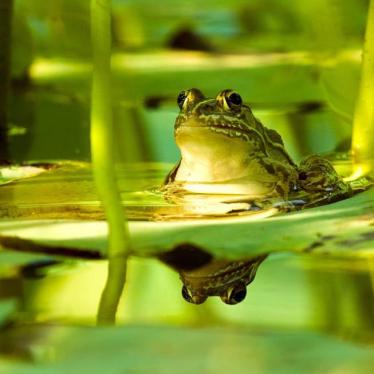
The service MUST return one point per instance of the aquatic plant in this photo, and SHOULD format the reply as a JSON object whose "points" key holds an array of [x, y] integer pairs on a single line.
{"points": [[102, 141], [6, 7], [363, 122]]}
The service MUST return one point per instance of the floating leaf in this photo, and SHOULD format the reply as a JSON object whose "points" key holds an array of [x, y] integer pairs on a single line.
{"points": [[345, 228]]}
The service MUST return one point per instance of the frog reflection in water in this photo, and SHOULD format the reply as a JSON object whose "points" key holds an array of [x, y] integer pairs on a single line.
{"points": [[226, 279], [226, 150]]}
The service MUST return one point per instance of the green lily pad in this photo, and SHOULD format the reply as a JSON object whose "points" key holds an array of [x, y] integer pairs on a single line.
{"points": [[345, 228], [58, 213]]}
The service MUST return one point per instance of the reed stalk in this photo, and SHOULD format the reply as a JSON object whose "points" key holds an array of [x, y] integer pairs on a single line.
{"points": [[363, 121], [6, 11], [102, 140]]}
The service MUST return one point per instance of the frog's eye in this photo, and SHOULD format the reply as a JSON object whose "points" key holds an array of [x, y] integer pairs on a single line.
{"points": [[229, 100], [234, 99], [187, 99], [181, 98], [186, 294], [190, 298], [234, 295]]}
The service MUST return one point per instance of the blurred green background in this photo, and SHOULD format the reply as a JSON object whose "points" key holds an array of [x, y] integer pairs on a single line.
{"points": [[296, 63]]}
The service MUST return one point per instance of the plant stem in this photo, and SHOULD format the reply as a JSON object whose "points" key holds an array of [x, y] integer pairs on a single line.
{"points": [[6, 11], [363, 121], [103, 161]]}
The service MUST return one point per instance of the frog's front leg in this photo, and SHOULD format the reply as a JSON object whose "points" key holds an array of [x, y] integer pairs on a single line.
{"points": [[317, 176], [286, 177], [284, 180]]}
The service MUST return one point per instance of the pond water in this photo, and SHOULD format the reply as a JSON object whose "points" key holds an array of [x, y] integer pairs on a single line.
{"points": [[290, 293]]}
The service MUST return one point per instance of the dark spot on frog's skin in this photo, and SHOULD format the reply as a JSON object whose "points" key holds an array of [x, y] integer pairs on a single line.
{"points": [[269, 167], [279, 189], [186, 257], [274, 136], [303, 175]]}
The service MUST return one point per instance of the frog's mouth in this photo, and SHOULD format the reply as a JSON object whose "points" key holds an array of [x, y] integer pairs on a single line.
{"points": [[217, 131], [208, 142], [218, 125]]}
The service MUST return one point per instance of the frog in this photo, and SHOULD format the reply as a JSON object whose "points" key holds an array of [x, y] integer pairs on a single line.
{"points": [[225, 149]]}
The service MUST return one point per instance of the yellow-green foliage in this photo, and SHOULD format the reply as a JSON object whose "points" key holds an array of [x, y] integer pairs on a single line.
{"points": [[363, 124]]}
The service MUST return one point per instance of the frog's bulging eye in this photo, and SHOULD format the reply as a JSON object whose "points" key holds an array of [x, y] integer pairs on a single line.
{"points": [[234, 99], [190, 298], [181, 98], [186, 294], [187, 99], [234, 295], [229, 100]]}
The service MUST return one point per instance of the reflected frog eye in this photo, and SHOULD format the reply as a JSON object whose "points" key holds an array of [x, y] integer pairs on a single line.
{"points": [[234, 295], [186, 294], [192, 299], [187, 99]]}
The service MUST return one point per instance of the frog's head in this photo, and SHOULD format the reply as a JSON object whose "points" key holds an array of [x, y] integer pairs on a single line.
{"points": [[226, 279], [218, 138], [207, 128]]}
